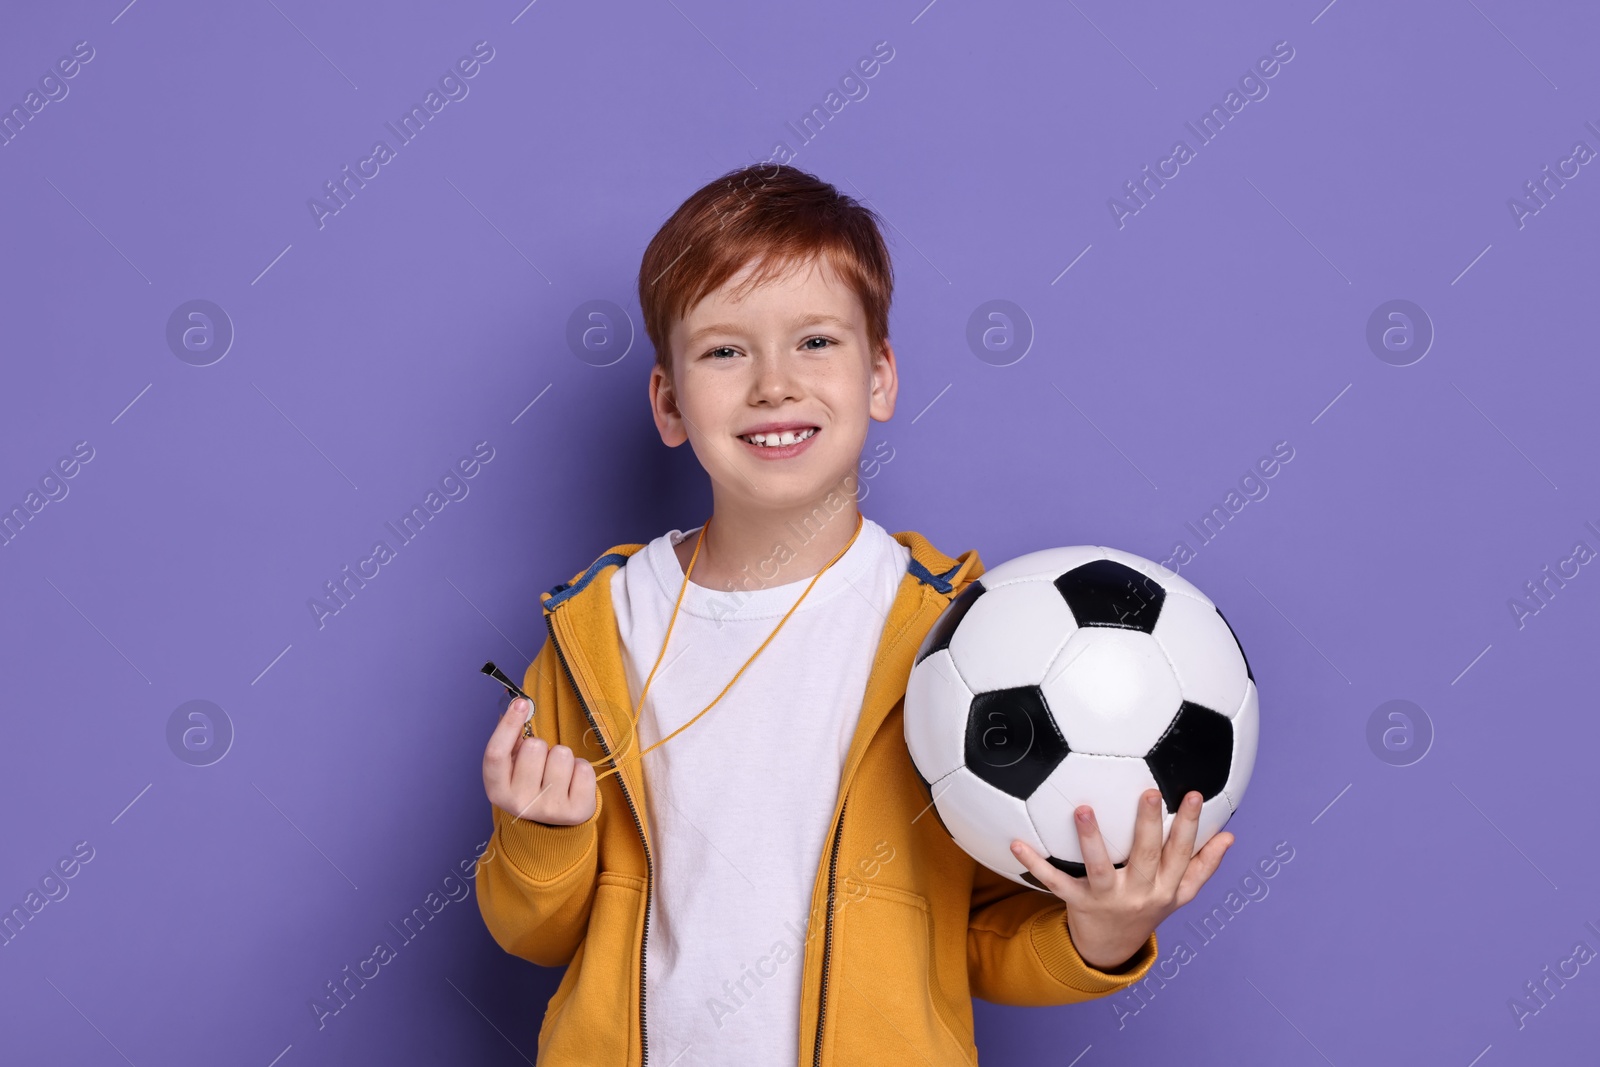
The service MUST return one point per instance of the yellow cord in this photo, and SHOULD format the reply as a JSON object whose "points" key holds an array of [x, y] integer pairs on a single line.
{"points": [[623, 753]]}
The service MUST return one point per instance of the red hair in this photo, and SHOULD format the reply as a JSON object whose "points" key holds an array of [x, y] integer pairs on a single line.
{"points": [[777, 216]]}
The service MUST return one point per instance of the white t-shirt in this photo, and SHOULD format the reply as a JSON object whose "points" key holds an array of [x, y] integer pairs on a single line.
{"points": [[741, 802]]}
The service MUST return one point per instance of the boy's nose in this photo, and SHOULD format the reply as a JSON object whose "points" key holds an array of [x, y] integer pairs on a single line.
{"points": [[775, 381]]}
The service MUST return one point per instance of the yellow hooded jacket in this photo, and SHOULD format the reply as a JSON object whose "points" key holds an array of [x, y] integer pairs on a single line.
{"points": [[906, 928]]}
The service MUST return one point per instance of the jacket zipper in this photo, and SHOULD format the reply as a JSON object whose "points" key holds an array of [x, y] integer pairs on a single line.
{"points": [[827, 937], [644, 1035]]}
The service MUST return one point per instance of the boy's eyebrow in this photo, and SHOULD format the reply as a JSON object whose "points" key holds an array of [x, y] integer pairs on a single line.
{"points": [[796, 324]]}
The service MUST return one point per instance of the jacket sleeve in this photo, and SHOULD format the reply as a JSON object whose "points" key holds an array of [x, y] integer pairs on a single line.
{"points": [[1019, 951], [536, 883]]}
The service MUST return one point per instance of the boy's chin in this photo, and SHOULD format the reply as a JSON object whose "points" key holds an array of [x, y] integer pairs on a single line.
{"points": [[773, 491]]}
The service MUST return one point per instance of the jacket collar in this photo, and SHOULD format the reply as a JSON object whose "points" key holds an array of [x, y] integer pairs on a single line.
{"points": [[580, 616]]}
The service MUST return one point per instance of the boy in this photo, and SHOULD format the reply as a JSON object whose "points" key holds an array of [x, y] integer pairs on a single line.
{"points": [[767, 887]]}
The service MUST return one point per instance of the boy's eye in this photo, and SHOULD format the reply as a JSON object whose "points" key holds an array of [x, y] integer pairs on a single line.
{"points": [[724, 348], [824, 340]]}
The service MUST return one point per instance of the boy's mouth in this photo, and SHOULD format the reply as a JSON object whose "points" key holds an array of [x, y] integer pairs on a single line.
{"points": [[779, 440]]}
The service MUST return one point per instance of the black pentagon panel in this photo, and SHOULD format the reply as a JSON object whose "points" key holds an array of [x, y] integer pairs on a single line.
{"points": [[1108, 593], [1071, 867], [1012, 740], [1196, 752], [1242, 656], [944, 627]]}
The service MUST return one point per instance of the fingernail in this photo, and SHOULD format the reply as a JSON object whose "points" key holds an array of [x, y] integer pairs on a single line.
{"points": [[1083, 817], [1152, 801]]}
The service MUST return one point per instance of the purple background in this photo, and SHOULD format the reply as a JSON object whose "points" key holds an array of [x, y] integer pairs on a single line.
{"points": [[1229, 314]]}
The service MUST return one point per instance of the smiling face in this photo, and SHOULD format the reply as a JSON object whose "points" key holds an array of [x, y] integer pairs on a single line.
{"points": [[774, 389]]}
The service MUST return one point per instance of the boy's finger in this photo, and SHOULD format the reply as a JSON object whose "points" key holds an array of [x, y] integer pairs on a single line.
{"points": [[1145, 857], [503, 740], [527, 772], [499, 753], [1202, 867], [1056, 881], [557, 771], [1096, 859], [582, 785], [1180, 841]]}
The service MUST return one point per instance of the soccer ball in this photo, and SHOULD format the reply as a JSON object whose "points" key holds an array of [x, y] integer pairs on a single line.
{"points": [[1078, 675]]}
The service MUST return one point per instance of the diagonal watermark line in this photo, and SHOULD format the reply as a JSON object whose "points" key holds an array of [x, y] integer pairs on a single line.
{"points": [[1509, 441], [1102, 433], [486, 618], [280, 1056], [1301, 632], [662, 794], [302, 833], [1113, 44], [532, 402], [313, 44], [1474, 263], [271, 665], [1332, 402], [1330, 804], [1469, 666], [936, 796], [1323, 12], [302, 433], [1513, 44], [102, 233], [1502, 833], [713, 44], [1480, 1055], [923, 12], [263, 274], [490, 1021], [865, 597], [87, 1019], [523, 12], [1080, 1055], [99, 631], [1288, 1020], [124, 11], [130, 804], [499, 231], [669, 266], [930, 403], [1301, 232], [90, 1021], [1069, 266], [132, 402]]}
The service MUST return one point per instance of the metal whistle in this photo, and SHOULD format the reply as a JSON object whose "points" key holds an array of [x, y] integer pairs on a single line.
{"points": [[515, 690]]}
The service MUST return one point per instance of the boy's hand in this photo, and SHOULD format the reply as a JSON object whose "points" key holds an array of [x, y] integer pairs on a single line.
{"points": [[1111, 912], [530, 780]]}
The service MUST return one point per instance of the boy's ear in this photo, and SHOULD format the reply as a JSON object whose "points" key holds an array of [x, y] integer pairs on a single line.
{"points": [[664, 406], [885, 385]]}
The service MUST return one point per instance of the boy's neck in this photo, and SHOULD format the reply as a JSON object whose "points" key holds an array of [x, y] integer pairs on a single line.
{"points": [[746, 549]]}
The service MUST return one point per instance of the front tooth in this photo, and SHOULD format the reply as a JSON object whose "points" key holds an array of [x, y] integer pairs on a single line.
{"points": [[787, 438]]}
